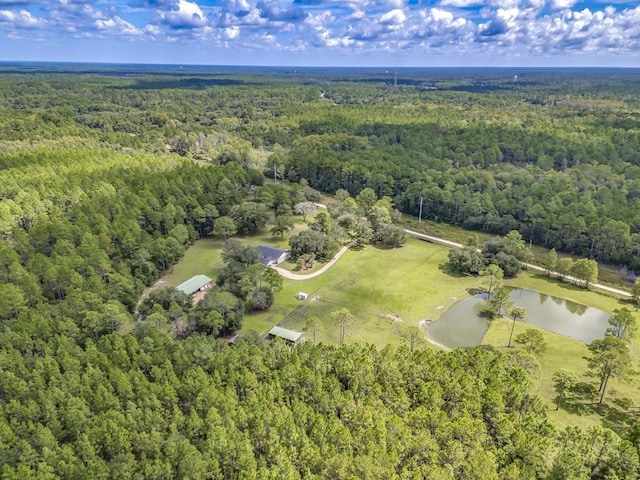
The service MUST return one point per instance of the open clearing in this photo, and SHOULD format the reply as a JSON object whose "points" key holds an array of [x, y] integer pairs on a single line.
{"points": [[205, 257], [381, 287], [569, 354], [373, 284]]}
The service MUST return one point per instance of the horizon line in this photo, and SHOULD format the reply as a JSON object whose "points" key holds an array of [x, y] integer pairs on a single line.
{"points": [[388, 67]]}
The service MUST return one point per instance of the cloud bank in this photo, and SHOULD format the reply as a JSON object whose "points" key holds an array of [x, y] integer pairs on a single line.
{"points": [[464, 28]]}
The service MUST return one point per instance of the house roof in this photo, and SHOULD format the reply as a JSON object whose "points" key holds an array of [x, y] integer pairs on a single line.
{"points": [[270, 253], [194, 284], [285, 333]]}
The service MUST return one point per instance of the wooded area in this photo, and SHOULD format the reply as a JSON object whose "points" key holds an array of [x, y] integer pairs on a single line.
{"points": [[106, 179]]}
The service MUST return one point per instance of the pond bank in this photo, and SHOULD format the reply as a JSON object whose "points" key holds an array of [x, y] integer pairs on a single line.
{"points": [[465, 323]]}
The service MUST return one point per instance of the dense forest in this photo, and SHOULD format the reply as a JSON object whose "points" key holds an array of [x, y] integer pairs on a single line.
{"points": [[107, 176], [553, 154]]}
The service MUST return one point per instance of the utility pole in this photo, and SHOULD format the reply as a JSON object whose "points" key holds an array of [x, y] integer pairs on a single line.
{"points": [[420, 216], [526, 263]]}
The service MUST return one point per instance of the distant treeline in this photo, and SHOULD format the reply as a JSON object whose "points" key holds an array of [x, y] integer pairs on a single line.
{"points": [[555, 154]]}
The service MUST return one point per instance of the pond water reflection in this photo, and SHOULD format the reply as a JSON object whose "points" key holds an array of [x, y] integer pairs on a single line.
{"points": [[464, 324]]}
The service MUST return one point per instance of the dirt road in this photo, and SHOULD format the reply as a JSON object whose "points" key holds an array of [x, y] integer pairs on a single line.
{"points": [[440, 241], [538, 268]]}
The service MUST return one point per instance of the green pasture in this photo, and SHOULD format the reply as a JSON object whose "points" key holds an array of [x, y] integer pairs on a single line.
{"points": [[375, 285], [388, 288], [607, 274], [570, 354], [204, 256]]}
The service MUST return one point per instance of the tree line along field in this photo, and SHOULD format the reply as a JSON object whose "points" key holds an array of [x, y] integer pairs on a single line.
{"points": [[554, 157], [413, 288], [107, 178]]}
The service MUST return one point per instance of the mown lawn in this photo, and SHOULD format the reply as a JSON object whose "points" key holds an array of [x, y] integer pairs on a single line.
{"points": [[410, 283], [373, 284], [203, 257], [569, 354], [607, 274]]}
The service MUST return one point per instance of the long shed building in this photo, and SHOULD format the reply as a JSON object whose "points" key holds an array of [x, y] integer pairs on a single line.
{"points": [[291, 337], [195, 284]]}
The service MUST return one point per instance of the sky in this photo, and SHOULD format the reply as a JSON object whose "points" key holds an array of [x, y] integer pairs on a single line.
{"points": [[394, 33]]}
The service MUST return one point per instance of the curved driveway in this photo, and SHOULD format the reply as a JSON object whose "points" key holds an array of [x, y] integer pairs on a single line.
{"points": [[440, 241], [297, 276]]}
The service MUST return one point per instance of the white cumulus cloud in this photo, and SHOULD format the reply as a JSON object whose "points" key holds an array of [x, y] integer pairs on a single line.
{"points": [[394, 17], [185, 15], [441, 15], [117, 25], [475, 28], [232, 32], [22, 19], [562, 4], [461, 3]]}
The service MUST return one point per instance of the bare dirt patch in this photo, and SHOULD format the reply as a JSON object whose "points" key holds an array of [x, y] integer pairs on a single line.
{"points": [[199, 296], [425, 323], [394, 317]]}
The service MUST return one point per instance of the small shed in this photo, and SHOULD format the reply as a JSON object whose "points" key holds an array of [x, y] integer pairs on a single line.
{"points": [[291, 337], [272, 256], [195, 284], [302, 296]]}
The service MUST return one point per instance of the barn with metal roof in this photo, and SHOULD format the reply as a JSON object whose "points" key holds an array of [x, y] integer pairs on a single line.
{"points": [[195, 284], [291, 337]]}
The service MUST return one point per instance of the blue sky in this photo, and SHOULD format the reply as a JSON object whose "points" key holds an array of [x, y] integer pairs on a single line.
{"points": [[324, 32]]}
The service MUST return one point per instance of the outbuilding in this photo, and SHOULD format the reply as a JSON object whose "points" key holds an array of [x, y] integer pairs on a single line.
{"points": [[291, 337], [195, 284], [302, 296]]}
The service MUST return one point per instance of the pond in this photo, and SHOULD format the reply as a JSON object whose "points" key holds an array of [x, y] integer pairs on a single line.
{"points": [[464, 324]]}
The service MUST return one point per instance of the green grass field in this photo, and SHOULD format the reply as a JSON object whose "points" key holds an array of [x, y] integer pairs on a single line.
{"points": [[607, 274], [410, 283], [374, 284], [204, 257], [569, 354]]}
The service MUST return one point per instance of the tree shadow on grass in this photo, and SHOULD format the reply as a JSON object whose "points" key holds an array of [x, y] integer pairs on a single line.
{"points": [[379, 246], [617, 418], [446, 268], [583, 399], [615, 412]]}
